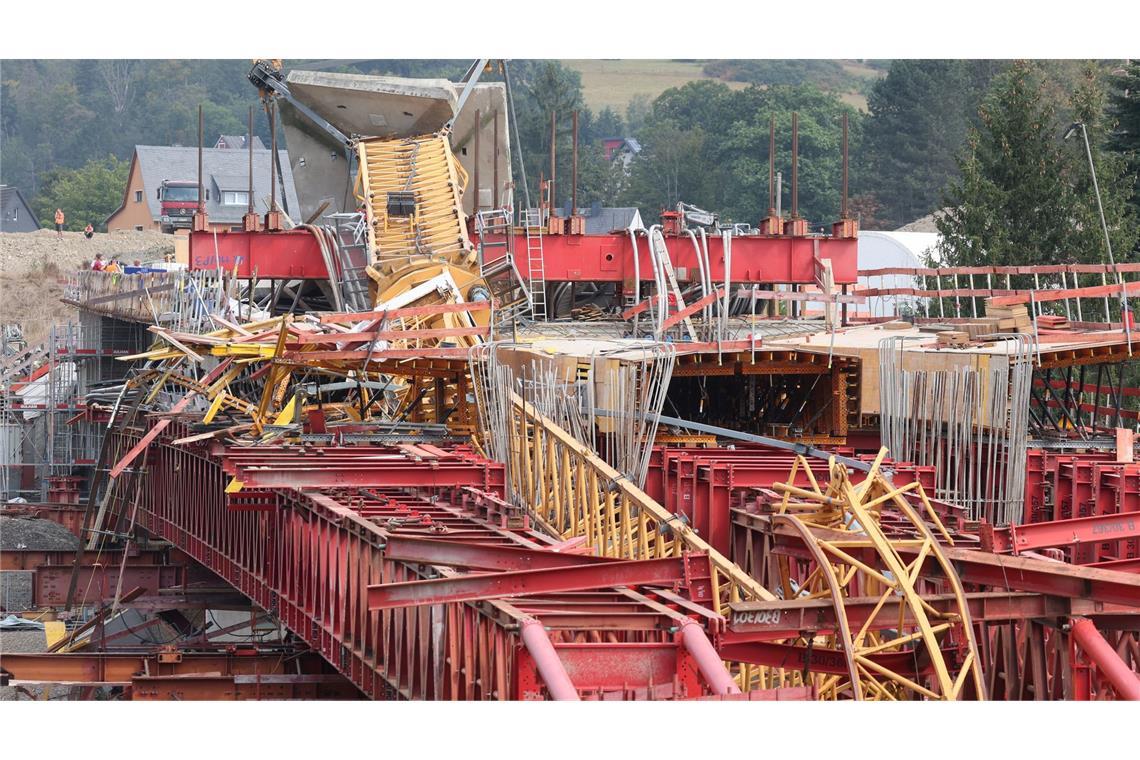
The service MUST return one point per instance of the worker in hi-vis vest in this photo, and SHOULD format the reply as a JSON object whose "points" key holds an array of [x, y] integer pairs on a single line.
{"points": [[59, 222]]}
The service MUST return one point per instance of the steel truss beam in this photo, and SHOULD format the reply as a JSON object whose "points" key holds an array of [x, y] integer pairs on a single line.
{"points": [[684, 571], [311, 559]]}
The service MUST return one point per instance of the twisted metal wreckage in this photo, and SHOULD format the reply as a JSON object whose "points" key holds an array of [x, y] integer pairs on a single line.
{"points": [[430, 510]]}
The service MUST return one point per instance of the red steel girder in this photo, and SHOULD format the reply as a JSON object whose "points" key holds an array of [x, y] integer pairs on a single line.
{"points": [[1079, 530], [290, 254], [359, 466], [481, 556], [295, 254], [609, 258], [118, 669], [98, 583], [407, 474], [26, 559], [240, 688], [601, 670], [668, 571], [765, 621], [818, 660]]}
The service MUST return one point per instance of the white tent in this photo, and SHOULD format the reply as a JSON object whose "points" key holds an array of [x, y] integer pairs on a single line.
{"points": [[879, 250]]}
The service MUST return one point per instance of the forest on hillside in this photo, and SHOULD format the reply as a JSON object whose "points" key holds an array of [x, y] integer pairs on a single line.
{"points": [[980, 138]]}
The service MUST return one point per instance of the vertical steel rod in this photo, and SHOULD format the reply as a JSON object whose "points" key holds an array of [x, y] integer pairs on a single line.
{"points": [[843, 197], [772, 166], [475, 171], [795, 165], [272, 113], [574, 169], [249, 144], [553, 157], [495, 168], [201, 194]]}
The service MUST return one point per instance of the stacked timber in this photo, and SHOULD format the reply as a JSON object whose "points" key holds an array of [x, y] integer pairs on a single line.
{"points": [[1013, 318], [1053, 322], [588, 313], [980, 327], [954, 338]]}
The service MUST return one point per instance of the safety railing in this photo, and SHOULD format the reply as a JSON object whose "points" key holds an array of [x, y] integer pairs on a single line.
{"points": [[181, 300]]}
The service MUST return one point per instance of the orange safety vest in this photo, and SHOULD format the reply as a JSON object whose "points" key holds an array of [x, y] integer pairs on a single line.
{"points": [[59, 217]]}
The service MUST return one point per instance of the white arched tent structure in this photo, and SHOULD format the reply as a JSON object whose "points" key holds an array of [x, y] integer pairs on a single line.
{"points": [[879, 250]]}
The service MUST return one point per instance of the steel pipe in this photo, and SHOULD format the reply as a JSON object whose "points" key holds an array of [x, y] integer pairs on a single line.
{"points": [[708, 661], [550, 667], [1108, 662]]}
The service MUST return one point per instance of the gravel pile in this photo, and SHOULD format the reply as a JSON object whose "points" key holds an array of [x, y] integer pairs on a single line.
{"points": [[25, 533], [32, 250], [34, 267], [27, 641]]}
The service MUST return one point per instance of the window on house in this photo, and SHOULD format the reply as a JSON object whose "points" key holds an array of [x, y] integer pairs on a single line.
{"points": [[138, 228], [138, 196], [235, 198]]}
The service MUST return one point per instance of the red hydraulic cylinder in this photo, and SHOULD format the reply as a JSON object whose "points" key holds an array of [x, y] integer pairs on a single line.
{"points": [[1108, 662], [546, 659], [708, 661]]}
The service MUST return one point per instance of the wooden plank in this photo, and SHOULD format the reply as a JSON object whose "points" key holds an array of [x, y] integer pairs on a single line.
{"points": [[692, 308], [820, 297], [165, 335], [1042, 296], [407, 311], [359, 337]]}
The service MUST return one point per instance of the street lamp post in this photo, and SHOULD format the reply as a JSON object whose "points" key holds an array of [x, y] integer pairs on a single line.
{"points": [[1125, 314]]}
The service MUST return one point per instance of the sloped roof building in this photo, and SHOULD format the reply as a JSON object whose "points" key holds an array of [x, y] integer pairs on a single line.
{"points": [[225, 177]]}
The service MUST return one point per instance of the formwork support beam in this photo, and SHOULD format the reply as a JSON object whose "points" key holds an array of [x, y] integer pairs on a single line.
{"points": [[667, 571], [1078, 530], [481, 556]]}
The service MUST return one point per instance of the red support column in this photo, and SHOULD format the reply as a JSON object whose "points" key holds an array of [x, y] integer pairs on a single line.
{"points": [[1124, 680]]}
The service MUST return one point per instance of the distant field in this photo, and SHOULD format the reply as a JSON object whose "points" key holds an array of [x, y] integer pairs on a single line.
{"points": [[613, 82]]}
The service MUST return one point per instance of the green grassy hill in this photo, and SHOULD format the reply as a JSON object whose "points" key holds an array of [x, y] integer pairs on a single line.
{"points": [[612, 82]]}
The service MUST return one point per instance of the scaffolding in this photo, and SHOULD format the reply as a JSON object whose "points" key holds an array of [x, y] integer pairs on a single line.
{"points": [[46, 430]]}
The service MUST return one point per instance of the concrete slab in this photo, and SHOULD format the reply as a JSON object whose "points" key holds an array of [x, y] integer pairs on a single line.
{"points": [[376, 106]]}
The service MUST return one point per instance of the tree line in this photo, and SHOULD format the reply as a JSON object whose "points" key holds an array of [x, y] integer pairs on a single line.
{"points": [[982, 139]]}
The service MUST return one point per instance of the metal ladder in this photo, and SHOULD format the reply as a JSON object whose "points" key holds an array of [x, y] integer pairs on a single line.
{"points": [[352, 259], [531, 220], [497, 267]]}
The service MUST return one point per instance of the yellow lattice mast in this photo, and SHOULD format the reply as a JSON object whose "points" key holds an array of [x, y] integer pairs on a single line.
{"points": [[853, 557]]}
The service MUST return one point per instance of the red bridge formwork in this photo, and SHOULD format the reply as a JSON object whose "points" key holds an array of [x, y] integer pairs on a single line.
{"points": [[309, 553]]}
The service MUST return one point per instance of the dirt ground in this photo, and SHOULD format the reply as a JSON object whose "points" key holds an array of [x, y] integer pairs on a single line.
{"points": [[34, 267]]}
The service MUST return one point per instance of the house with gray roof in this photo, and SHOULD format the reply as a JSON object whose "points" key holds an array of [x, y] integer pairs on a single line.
{"points": [[602, 220], [238, 142], [15, 213], [225, 179]]}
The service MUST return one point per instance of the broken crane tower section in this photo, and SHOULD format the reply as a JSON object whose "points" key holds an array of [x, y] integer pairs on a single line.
{"points": [[415, 431]]}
